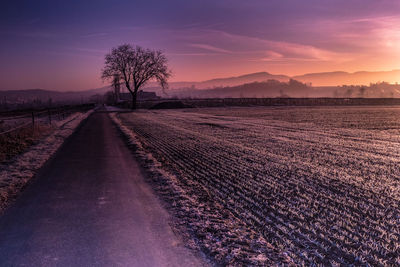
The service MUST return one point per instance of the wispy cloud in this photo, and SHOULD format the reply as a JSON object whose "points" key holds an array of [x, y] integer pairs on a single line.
{"points": [[283, 48], [373, 36], [271, 56], [250, 47], [190, 54], [211, 48]]}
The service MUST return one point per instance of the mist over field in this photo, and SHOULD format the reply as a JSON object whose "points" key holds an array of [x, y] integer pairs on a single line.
{"points": [[255, 85]]}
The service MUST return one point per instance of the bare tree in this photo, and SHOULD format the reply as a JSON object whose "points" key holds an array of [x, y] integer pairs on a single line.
{"points": [[136, 66]]}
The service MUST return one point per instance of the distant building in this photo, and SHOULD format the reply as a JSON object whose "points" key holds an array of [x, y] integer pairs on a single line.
{"points": [[141, 95]]}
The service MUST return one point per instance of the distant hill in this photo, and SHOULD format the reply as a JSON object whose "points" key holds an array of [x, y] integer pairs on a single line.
{"points": [[269, 88], [248, 78], [293, 88], [29, 95], [346, 78], [336, 78], [230, 81], [324, 84]]}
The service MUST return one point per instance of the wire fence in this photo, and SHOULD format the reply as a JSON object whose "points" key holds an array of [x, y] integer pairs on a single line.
{"points": [[10, 124]]}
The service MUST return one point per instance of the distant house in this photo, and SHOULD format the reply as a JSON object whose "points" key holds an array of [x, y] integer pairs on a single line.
{"points": [[141, 95]]}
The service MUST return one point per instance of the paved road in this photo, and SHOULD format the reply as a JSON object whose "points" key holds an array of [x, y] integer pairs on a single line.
{"points": [[90, 206]]}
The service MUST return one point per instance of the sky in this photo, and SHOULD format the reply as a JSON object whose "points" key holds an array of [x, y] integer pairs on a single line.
{"points": [[60, 45]]}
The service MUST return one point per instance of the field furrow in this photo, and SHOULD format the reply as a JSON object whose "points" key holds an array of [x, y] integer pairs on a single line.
{"points": [[320, 184]]}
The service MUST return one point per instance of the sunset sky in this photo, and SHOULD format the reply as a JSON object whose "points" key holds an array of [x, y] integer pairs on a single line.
{"points": [[60, 45]]}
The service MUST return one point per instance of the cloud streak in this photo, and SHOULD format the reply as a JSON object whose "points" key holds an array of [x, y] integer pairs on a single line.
{"points": [[211, 48], [228, 43]]}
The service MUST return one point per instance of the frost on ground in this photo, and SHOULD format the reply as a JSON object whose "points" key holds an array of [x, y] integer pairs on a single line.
{"points": [[311, 186], [208, 226], [16, 172]]}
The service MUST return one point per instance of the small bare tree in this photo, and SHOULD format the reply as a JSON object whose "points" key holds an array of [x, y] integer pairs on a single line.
{"points": [[136, 66]]}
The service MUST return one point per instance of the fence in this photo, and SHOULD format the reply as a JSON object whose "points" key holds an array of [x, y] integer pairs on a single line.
{"points": [[34, 117]]}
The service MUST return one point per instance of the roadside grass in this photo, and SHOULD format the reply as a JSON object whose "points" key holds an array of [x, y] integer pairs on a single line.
{"points": [[17, 142]]}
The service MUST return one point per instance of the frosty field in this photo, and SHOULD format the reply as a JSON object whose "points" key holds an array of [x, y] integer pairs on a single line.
{"points": [[318, 185]]}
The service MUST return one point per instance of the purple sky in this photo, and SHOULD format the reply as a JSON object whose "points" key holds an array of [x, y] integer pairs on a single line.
{"points": [[60, 45]]}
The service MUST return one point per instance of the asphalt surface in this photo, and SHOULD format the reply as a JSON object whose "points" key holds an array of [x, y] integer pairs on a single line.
{"points": [[90, 206]]}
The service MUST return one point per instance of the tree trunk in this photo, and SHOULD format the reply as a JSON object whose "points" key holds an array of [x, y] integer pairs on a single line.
{"points": [[134, 97]]}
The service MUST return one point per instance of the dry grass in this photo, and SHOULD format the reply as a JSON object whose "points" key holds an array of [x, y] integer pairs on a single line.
{"points": [[17, 142]]}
